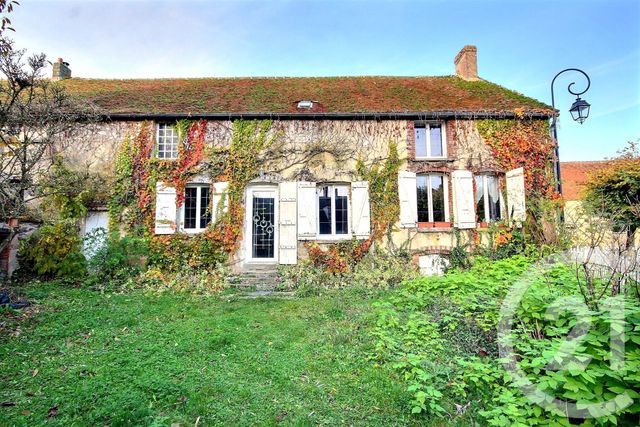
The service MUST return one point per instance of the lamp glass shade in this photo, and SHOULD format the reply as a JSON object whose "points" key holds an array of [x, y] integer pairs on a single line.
{"points": [[580, 110]]}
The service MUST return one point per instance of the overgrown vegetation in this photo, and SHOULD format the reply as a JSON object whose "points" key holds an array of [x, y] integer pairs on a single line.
{"points": [[440, 336], [372, 270], [53, 251]]}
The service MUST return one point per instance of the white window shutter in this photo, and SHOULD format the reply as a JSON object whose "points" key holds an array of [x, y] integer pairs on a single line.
{"points": [[288, 238], [516, 208], [360, 209], [408, 194], [166, 212], [219, 193], [307, 222], [463, 199]]}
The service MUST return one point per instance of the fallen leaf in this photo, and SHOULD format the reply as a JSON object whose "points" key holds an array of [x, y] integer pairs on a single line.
{"points": [[34, 373], [53, 411], [25, 412]]}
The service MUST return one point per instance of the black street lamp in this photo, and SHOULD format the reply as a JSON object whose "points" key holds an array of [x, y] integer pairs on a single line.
{"points": [[579, 112]]}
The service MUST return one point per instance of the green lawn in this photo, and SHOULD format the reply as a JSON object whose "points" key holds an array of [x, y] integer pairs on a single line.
{"points": [[136, 359]]}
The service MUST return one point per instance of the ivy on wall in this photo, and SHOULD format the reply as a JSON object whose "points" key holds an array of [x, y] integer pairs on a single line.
{"points": [[190, 154], [132, 201], [249, 139], [383, 192], [526, 143], [385, 212]]}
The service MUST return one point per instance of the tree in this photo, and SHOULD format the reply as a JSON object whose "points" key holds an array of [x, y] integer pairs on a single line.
{"points": [[614, 192], [38, 121]]}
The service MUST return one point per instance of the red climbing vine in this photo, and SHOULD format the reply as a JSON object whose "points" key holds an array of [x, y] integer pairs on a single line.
{"points": [[523, 143]]}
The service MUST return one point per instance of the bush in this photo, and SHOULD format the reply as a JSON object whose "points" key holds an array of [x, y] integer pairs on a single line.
{"points": [[174, 252], [113, 259], [375, 270], [53, 251], [440, 335]]}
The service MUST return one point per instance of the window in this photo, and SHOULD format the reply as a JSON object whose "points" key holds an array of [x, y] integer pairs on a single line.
{"points": [[333, 210], [430, 141], [487, 198], [197, 207], [432, 198], [167, 141]]}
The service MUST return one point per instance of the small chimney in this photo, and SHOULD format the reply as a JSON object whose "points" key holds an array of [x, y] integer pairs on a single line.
{"points": [[467, 63], [61, 70]]}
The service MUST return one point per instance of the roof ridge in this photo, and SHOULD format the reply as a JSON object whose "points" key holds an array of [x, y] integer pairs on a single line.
{"points": [[268, 77], [585, 161]]}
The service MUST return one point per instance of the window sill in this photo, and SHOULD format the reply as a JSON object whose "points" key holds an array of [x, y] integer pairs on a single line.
{"points": [[434, 226], [432, 159], [333, 237], [193, 230]]}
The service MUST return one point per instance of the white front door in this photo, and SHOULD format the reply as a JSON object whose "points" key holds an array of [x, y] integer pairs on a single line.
{"points": [[261, 224]]}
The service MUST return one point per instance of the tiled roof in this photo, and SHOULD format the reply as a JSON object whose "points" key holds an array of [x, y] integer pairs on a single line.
{"points": [[279, 95], [575, 174]]}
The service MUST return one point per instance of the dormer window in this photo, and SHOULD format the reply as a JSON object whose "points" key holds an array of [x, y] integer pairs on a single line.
{"points": [[305, 105], [167, 141], [430, 141]]}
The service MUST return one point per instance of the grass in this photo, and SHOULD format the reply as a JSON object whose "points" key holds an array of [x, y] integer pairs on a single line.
{"points": [[137, 359]]}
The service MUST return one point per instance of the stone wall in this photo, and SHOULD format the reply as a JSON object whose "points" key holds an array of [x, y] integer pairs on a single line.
{"points": [[327, 151]]}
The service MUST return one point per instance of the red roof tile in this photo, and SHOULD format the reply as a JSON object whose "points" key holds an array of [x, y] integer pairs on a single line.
{"points": [[280, 95], [575, 174]]}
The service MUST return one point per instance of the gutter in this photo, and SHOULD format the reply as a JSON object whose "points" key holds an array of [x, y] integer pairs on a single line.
{"points": [[325, 116]]}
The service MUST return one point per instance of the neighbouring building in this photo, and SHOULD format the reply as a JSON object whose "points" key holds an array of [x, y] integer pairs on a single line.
{"points": [[459, 167]]}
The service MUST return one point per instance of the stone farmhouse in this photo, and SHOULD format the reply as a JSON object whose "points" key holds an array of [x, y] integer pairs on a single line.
{"points": [[310, 185]]}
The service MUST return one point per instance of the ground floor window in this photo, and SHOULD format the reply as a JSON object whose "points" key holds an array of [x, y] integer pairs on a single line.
{"points": [[333, 210], [197, 207], [487, 198], [432, 197]]}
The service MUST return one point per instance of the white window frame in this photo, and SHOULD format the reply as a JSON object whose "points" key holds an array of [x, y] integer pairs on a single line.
{"points": [[333, 235], [443, 134], [166, 127], [199, 187], [485, 191], [445, 184]]}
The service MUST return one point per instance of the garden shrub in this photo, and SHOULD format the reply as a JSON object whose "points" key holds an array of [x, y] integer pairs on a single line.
{"points": [[440, 335], [114, 259], [374, 270], [53, 251], [175, 252]]}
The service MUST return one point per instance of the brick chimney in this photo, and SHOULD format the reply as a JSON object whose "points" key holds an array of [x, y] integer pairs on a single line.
{"points": [[467, 63], [61, 70]]}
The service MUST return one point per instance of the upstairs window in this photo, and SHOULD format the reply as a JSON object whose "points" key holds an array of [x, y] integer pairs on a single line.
{"points": [[432, 198], [487, 198], [429, 141], [197, 207], [333, 210], [167, 139]]}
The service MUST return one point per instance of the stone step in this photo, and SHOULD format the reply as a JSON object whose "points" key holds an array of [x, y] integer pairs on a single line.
{"points": [[258, 277]]}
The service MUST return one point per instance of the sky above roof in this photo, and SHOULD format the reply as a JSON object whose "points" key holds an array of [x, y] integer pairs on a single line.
{"points": [[521, 45]]}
